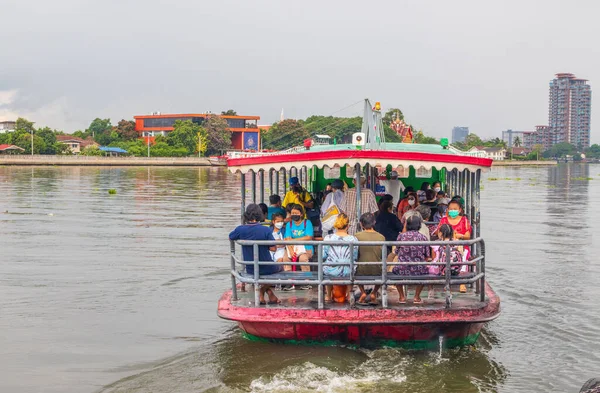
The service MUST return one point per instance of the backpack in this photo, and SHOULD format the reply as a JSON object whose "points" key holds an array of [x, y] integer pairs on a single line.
{"points": [[456, 256]]}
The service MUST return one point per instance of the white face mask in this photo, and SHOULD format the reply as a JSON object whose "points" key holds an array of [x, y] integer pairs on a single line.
{"points": [[411, 202], [278, 225], [437, 189]]}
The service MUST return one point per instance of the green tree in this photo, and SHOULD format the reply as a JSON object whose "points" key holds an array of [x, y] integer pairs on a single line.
{"points": [[126, 130], [593, 151], [285, 134], [218, 136], [560, 150], [229, 112], [102, 131], [24, 140], [420, 137], [82, 134], [517, 142], [390, 115], [185, 135], [92, 150], [24, 126], [49, 137]]}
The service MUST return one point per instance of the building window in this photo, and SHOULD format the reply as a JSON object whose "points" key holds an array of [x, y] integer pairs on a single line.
{"points": [[170, 121], [236, 123]]}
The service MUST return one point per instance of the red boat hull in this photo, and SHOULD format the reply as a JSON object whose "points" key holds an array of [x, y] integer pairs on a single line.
{"points": [[411, 327]]}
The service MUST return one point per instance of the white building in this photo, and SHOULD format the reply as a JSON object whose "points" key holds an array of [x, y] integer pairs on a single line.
{"points": [[495, 153], [7, 126]]}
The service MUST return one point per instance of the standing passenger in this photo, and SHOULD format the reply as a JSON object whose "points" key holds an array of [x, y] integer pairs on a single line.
{"points": [[387, 223], [298, 195], [368, 203]]}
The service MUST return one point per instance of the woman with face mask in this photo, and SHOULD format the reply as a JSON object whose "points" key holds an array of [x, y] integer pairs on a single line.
{"points": [[409, 203], [459, 223], [298, 229], [437, 187]]}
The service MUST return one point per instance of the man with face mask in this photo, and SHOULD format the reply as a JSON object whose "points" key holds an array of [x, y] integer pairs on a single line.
{"points": [[298, 195], [442, 206]]}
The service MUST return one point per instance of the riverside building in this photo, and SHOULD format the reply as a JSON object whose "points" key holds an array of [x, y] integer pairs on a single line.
{"points": [[245, 134]]}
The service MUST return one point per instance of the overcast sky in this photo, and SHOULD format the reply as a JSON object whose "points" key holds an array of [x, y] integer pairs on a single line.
{"points": [[481, 64]]}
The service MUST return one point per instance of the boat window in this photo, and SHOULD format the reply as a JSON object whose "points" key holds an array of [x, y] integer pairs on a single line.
{"points": [[332, 173], [423, 172], [403, 172], [349, 172]]}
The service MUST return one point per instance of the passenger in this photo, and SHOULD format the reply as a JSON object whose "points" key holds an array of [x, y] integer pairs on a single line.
{"points": [[457, 253], [455, 217], [335, 196], [441, 209], [370, 254], [437, 186], [410, 203], [275, 202], [278, 234], [421, 193], [388, 223], [404, 201], [386, 197], [429, 230], [253, 230], [298, 228], [265, 209], [431, 201], [298, 195], [368, 203], [412, 254], [339, 254]]}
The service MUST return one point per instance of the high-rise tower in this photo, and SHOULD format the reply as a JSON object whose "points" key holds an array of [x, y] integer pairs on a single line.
{"points": [[569, 110]]}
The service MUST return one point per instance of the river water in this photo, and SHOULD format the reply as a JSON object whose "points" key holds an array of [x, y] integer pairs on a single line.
{"points": [[118, 293]]}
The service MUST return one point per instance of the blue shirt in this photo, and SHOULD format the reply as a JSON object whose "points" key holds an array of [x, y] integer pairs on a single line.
{"points": [[304, 229], [255, 232], [275, 209]]}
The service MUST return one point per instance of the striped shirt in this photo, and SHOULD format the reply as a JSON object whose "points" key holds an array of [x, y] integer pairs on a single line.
{"points": [[368, 204]]}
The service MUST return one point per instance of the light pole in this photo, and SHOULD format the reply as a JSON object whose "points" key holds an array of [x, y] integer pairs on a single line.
{"points": [[148, 138], [32, 137]]}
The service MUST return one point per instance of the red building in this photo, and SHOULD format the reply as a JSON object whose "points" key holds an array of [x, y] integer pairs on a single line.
{"points": [[245, 134]]}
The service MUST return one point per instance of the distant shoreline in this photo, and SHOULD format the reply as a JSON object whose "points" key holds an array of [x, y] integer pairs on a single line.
{"points": [[50, 160], [524, 163]]}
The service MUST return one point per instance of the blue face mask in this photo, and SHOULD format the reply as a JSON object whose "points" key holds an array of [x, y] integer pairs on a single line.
{"points": [[453, 213]]}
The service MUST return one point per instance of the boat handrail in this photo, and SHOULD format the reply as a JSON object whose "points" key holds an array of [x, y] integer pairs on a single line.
{"points": [[477, 262]]}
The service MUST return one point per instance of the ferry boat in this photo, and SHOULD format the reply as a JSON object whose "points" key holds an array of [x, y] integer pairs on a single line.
{"points": [[303, 316]]}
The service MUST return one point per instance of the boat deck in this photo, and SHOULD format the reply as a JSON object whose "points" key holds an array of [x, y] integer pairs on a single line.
{"points": [[307, 300]]}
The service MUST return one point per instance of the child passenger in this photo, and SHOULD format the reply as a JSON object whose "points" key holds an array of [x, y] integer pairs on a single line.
{"points": [[278, 234]]}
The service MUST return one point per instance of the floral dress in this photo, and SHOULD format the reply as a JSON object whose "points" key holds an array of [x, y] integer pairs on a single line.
{"points": [[338, 254], [412, 254]]}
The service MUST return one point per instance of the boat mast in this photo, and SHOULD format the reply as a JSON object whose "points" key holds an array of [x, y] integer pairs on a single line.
{"points": [[372, 126]]}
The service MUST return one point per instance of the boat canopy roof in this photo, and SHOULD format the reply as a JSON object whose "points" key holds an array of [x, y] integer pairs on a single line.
{"points": [[395, 154]]}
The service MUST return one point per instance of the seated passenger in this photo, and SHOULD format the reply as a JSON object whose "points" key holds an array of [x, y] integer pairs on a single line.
{"points": [[421, 212], [275, 207], [298, 228], [410, 203], [388, 223], [457, 220], [441, 209], [412, 254], [386, 197], [265, 209], [421, 193], [278, 234], [339, 254], [431, 201], [253, 230], [369, 254], [431, 231]]}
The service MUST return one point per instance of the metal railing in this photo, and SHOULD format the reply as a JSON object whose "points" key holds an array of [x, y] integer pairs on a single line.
{"points": [[476, 265]]}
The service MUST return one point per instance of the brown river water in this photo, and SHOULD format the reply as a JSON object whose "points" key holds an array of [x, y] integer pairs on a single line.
{"points": [[118, 293]]}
